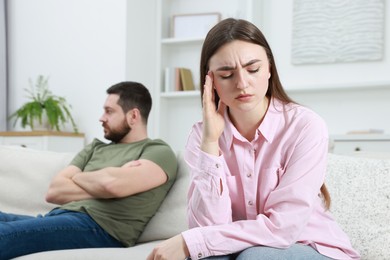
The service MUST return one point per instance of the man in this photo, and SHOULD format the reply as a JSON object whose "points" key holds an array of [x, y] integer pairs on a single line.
{"points": [[108, 193]]}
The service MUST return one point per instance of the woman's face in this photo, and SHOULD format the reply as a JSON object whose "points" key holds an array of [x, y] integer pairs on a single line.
{"points": [[241, 73]]}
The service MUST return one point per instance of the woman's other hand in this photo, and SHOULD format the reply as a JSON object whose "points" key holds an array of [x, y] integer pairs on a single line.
{"points": [[174, 248]]}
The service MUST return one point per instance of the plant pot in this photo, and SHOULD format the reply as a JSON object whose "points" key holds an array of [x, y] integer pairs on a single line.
{"points": [[43, 125]]}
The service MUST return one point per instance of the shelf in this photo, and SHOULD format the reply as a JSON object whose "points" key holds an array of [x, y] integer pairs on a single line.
{"points": [[41, 133], [361, 137], [338, 87], [180, 94], [180, 41]]}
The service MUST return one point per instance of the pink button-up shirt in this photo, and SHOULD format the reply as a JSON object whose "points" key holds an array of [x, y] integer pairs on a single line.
{"points": [[263, 192]]}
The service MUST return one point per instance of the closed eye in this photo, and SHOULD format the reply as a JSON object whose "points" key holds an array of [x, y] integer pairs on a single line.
{"points": [[227, 72], [226, 76], [229, 75]]}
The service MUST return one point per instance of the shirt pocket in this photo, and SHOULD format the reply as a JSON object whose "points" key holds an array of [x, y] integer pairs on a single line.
{"points": [[268, 181]]}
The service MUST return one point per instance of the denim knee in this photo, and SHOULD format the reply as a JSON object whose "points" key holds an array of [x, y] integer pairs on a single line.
{"points": [[294, 252]]}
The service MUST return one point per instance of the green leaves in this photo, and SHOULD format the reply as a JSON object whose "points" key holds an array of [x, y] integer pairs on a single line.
{"points": [[43, 100], [41, 91]]}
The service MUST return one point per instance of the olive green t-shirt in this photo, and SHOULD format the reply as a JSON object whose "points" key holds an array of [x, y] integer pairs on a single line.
{"points": [[125, 218]]}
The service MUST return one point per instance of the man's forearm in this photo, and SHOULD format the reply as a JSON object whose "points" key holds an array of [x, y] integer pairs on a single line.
{"points": [[118, 182], [95, 183], [63, 189]]}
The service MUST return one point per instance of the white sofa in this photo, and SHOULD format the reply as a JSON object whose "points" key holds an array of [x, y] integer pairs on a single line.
{"points": [[360, 190]]}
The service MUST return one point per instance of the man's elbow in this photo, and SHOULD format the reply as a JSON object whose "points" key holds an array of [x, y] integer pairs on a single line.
{"points": [[52, 197]]}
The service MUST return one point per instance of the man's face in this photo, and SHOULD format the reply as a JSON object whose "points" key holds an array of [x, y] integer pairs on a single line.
{"points": [[113, 120]]}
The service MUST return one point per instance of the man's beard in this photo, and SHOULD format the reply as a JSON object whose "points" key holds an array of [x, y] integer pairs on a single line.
{"points": [[116, 135]]}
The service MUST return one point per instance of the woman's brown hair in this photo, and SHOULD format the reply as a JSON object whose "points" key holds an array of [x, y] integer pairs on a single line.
{"points": [[229, 30]]}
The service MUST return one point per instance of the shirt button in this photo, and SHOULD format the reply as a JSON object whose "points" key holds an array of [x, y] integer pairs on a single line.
{"points": [[249, 175], [200, 255], [217, 165], [250, 203]]}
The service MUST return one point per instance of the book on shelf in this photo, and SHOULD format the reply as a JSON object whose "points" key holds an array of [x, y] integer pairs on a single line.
{"points": [[172, 80], [178, 79], [186, 79]]}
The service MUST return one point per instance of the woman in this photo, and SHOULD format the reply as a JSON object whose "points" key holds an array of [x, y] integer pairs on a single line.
{"points": [[257, 162]]}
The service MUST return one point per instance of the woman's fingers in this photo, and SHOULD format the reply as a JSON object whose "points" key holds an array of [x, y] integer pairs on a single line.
{"points": [[208, 92]]}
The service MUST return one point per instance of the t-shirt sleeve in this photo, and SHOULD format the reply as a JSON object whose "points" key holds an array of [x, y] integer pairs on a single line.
{"points": [[82, 158], [161, 154]]}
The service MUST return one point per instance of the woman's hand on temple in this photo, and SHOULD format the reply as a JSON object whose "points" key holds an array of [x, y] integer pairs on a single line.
{"points": [[213, 121]]}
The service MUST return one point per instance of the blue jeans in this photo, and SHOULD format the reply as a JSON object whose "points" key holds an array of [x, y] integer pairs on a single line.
{"points": [[58, 229], [295, 252]]}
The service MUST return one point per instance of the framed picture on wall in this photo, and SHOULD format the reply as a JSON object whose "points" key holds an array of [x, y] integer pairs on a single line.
{"points": [[193, 25], [317, 52]]}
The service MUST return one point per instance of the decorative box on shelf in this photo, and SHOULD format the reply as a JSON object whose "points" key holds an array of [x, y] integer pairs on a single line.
{"points": [[44, 140]]}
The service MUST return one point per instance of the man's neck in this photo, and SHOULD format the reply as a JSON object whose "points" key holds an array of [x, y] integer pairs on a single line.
{"points": [[134, 136]]}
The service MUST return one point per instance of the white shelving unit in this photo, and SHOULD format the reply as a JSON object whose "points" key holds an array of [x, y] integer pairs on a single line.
{"points": [[360, 143], [178, 111], [45, 140]]}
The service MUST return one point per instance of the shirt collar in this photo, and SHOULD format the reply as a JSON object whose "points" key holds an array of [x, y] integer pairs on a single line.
{"points": [[270, 125], [268, 128]]}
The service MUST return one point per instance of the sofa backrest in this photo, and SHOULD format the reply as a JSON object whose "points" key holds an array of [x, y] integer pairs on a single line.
{"points": [[25, 175], [170, 219]]}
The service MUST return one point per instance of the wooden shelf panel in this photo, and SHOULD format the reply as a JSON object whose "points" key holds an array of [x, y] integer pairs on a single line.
{"points": [[40, 133]]}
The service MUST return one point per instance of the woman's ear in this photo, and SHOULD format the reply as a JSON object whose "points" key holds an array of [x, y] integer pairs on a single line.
{"points": [[269, 72]]}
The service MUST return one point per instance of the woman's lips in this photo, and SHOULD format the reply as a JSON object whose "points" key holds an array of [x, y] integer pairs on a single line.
{"points": [[244, 97]]}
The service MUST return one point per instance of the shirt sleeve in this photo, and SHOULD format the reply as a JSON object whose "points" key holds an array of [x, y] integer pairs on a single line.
{"points": [[208, 202], [287, 208], [161, 154], [82, 158]]}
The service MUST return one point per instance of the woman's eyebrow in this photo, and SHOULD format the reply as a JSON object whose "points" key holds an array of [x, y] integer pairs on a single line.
{"points": [[227, 68], [251, 62]]}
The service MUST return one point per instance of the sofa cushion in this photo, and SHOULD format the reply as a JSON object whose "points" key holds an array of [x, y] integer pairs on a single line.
{"points": [[360, 192], [25, 175], [170, 219]]}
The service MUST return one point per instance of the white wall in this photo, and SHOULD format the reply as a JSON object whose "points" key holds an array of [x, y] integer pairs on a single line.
{"points": [[141, 56], [80, 44]]}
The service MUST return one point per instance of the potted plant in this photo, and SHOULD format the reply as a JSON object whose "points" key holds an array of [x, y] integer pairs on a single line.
{"points": [[44, 106]]}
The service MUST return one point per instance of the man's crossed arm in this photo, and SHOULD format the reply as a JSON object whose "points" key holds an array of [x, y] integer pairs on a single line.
{"points": [[71, 184]]}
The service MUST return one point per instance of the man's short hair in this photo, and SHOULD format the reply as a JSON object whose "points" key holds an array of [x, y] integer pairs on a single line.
{"points": [[133, 95]]}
